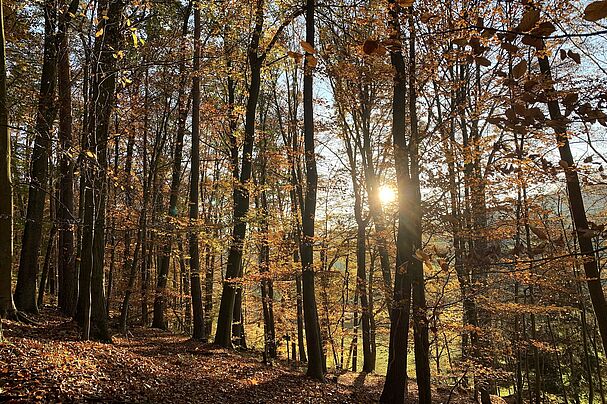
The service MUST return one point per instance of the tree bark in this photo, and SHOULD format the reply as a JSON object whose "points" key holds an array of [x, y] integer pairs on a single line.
{"points": [[195, 283], [395, 385], [314, 343], [68, 278], [578, 211], [7, 307], [25, 291], [95, 168], [223, 334]]}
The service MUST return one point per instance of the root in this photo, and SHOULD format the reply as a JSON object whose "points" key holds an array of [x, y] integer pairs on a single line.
{"points": [[21, 317]]}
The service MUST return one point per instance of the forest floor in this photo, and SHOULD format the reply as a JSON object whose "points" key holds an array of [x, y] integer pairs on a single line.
{"points": [[45, 362]]}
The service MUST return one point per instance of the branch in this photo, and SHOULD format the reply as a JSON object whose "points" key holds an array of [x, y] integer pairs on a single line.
{"points": [[280, 29]]}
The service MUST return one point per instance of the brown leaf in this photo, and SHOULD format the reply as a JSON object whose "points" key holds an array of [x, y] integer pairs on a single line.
{"points": [[595, 11], [519, 69], [370, 46], [532, 41], [575, 56], [511, 48], [530, 18], [311, 61], [295, 55], [540, 233], [482, 61], [545, 28], [307, 47]]}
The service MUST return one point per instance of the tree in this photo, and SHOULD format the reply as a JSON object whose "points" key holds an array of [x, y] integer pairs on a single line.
{"points": [[316, 360], [195, 282], [256, 55], [163, 273], [68, 279], [93, 316], [25, 291], [394, 390], [7, 307]]}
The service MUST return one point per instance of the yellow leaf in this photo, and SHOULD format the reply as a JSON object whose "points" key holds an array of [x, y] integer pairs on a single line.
{"points": [[135, 41], [422, 256], [99, 33]]}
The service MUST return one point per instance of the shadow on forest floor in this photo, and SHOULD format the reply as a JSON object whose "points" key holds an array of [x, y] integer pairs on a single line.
{"points": [[46, 362]]}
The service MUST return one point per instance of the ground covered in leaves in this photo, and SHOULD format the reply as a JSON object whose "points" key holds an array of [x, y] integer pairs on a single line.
{"points": [[46, 362]]}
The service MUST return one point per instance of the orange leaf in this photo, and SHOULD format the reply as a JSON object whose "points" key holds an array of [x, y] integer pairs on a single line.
{"points": [[307, 47]]}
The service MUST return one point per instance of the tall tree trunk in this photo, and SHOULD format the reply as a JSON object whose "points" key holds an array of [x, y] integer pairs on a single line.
{"points": [[68, 278], [316, 360], [267, 287], [361, 250], [578, 211], [195, 283], [7, 307], [223, 334], [94, 170], [25, 291], [416, 267], [182, 108], [395, 385]]}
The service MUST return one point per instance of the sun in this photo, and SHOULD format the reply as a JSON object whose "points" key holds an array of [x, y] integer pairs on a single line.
{"points": [[387, 194]]}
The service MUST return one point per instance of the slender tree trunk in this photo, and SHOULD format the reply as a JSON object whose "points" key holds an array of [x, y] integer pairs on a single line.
{"points": [[25, 291], [94, 170], [352, 150], [355, 323], [267, 287], [47, 264], [68, 278], [420, 319], [7, 307], [395, 385], [223, 334], [578, 211], [314, 343], [195, 283], [182, 108]]}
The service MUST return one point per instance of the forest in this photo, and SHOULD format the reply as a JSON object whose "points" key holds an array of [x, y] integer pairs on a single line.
{"points": [[303, 201]]}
